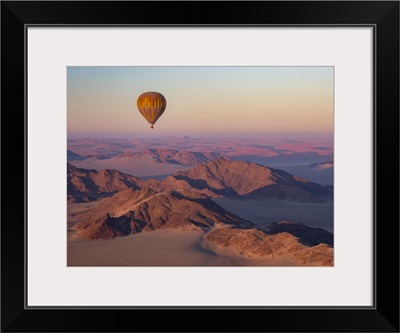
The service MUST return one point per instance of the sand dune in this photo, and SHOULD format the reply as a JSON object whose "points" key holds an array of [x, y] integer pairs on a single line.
{"points": [[158, 248]]}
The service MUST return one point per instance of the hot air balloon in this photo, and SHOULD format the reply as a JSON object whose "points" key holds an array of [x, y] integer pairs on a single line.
{"points": [[151, 105]]}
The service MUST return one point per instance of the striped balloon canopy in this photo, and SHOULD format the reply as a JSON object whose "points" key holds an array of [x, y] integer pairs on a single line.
{"points": [[151, 105]]}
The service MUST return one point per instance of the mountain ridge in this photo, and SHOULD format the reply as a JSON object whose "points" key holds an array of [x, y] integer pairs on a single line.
{"points": [[248, 180], [218, 178], [130, 211], [173, 156]]}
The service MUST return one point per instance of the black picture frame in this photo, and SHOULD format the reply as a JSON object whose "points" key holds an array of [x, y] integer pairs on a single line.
{"points": [[383, 316]]}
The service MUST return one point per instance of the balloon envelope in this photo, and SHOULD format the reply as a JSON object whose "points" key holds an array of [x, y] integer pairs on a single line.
{"points": [[151, 105]]}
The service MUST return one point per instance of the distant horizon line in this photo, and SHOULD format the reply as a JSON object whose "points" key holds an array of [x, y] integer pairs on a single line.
{"points": [[163, 136]]}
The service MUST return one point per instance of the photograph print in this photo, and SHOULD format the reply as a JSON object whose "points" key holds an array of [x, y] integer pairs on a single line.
{"points": [[200, 166]]}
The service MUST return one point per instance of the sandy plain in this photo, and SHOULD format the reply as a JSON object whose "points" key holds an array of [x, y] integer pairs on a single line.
{"points": [[158, 248]]}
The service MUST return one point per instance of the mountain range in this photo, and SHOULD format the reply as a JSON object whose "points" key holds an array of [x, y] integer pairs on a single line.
{"points": [[131, 211], [88, 185], [247, 180], [159, 155], [215, 179], [122, 204], [171, 156]]}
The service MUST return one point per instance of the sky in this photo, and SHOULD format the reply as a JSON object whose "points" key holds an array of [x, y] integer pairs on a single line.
{"points": [[202, 101]]}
